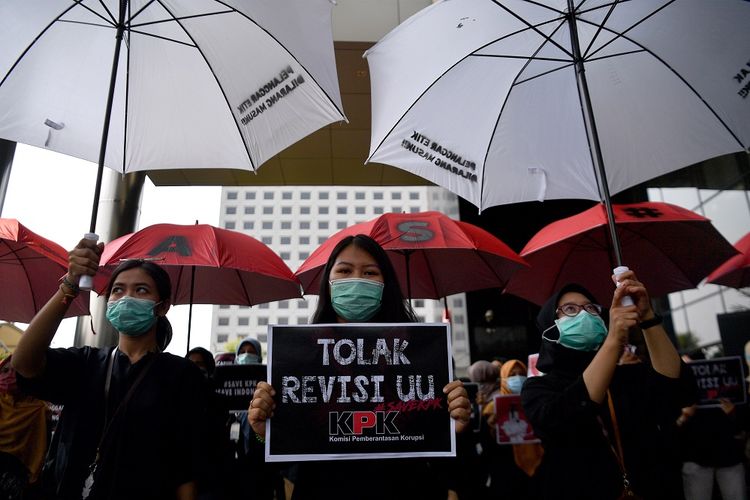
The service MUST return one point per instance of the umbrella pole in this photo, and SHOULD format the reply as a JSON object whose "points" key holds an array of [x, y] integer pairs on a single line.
{"points": [[190, 311], [108, 114], [408, 278], [596, 150]]}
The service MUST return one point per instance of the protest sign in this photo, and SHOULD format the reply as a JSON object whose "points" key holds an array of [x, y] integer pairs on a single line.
{"points": [[532, 370], [347, 391], [236, 384], [719, 378], [510, 421]]}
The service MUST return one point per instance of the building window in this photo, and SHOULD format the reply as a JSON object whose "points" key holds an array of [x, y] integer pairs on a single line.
{"points": [[377, 210], [420, 318], [262, 320], [286, 240], [458, 302], [359, 195], [267, 240], [341, 210], [249, 210], [223, 321], [285, 224], [223, 306], [283, 321], [250, 195], [285, 255], [419, 303], [267, 224], [413, 209], [304, 195], [341, 195], [301, 320], [286, 210], [396, 195], [264, 305], [248, 224], [304, 240], [244, 307], [262, 337], [231, 195], [283, 304], [378, 195], [304, 225], [268, 195], [302, 304], [303, 255], [458, 319], [222, 338], [304, 210], [244, 321], [323, 195], [359, 210], [267, 210], [241, 336], [322, 239], [323, 210], [413, 195], [231, 210], [396, 210], [286, 195], [229, 225], [341, 224]]}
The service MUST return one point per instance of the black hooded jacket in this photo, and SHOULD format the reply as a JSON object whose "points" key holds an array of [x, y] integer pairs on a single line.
{"points": [[579, 460]]}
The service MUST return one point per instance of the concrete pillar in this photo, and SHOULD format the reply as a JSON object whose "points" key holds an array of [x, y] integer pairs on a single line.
{"points": [[7, 151], [119, 209]]}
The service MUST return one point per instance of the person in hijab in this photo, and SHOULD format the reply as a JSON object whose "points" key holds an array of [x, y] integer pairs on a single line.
{"points": [[486, 375], [569, 407]]}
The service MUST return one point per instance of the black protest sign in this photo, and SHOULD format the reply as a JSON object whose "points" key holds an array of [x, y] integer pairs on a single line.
{"points": [[236, 384], [719, 378], [347, 391]]}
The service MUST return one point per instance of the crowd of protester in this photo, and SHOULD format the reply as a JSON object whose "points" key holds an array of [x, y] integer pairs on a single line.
{"points": [[609, 411]]}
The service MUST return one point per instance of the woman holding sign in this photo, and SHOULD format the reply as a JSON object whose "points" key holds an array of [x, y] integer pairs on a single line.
{"points": [[362, 287], [592, 413], [133, 416]]}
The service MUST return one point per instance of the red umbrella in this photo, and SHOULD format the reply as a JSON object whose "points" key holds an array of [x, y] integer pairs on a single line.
{"points": [[30, 267], [207, 265], [735, 272], [670, 249], [436, 255]]}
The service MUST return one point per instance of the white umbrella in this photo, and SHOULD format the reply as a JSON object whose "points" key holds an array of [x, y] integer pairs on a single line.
{"points": [[144, 84], [505, 101]]}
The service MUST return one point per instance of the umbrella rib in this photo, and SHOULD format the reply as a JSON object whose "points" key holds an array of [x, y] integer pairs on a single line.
{"points": [[127, 101], [205, 14], [41, 33], [470, 54], [244, 288], [687, 84], [216, 79], [26, 273], [104, 6], [599, 28], [534, 28], [330, 100], [144, 33], [139, 11], [86, 23]]}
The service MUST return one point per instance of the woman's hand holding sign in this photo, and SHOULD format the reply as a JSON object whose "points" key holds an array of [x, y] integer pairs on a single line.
{"points": [[261, 408], [459, 406]]}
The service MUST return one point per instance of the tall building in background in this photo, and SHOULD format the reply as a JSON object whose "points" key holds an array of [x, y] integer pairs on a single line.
{"points": [[293, 221]]}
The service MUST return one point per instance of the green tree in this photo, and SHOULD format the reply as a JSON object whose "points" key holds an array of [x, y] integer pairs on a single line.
{"points": [[231, 346], [687, 341]]}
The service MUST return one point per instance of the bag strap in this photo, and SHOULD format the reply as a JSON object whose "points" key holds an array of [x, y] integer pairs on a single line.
{"points": [[618, 442]]}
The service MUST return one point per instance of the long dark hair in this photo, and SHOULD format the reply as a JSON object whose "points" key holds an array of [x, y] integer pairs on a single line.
{"points": [[393, 309], [163, 288]]}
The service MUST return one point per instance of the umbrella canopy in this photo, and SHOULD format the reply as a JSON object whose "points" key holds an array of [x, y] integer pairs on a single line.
{"points": [[504, 101], [670, 249], [735, 272], [196, 84], [434, 255], [207, 265], [30, 269]]}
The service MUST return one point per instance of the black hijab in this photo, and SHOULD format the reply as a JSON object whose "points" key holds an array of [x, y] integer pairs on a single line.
{"points": [[553, 356]]}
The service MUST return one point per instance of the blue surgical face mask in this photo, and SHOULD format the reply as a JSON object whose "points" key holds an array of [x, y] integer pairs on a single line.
{"points": [[582, 332], [356, 299], [248, 358], [515, 383], [131, 316]]}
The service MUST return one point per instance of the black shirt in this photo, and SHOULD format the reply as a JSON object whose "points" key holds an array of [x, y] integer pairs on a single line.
{"points": [[154, 441]]}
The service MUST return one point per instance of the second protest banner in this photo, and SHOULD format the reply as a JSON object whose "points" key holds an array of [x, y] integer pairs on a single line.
{"points": [[346, 391]]}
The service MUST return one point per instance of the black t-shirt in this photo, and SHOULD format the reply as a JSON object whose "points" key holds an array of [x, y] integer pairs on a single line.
{"points": [[154, 442]]}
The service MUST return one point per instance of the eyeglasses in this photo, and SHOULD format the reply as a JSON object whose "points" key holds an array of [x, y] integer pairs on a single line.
{"points": [[571, 309]]}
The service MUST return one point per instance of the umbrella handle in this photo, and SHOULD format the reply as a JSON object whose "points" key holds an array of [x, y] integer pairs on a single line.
{"points": [[627, 300], [86, 282]]}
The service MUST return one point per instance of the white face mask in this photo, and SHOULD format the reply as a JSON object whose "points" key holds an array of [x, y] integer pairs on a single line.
{"points": [[247, 358]]}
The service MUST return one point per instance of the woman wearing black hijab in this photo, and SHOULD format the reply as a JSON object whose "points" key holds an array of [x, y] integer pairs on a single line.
{"points": [[568, 406]]}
